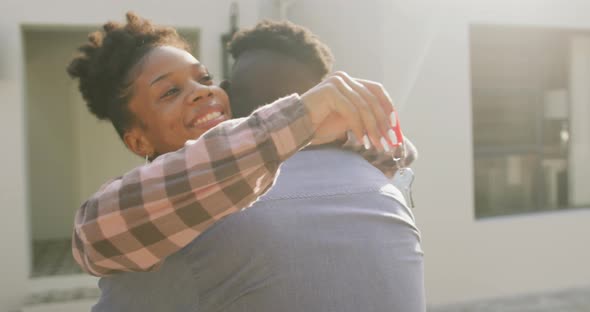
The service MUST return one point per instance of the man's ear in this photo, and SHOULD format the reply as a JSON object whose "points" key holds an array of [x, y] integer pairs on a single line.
{"points": [[136, 141], [226, 86]]}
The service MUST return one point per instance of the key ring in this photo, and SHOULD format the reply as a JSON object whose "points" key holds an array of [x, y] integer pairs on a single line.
{"points": [[399, 160]]}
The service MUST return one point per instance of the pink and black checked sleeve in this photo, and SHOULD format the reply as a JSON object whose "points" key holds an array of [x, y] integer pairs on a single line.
{"points": [[134, 222]]}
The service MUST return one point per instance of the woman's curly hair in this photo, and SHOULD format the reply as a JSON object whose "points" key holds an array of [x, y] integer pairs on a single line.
{"points": [[287, 38], [104, 64]]}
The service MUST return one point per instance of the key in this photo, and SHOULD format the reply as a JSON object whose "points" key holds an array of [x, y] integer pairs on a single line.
{"points": [[403, 179]]}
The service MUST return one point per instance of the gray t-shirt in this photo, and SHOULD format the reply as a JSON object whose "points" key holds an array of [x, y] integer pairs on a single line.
{"points": [[331, 235]]}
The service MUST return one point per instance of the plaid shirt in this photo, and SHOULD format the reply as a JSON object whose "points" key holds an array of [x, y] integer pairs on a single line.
{"points": [[134, 222]]}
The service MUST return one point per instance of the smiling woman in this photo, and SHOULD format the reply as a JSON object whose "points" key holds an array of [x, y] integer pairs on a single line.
{"points": [[150, 87]]}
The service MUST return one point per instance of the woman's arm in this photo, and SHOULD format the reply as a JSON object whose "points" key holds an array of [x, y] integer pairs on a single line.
{"points": [[134, 222]]}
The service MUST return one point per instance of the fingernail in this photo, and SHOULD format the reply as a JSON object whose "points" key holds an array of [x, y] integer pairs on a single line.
{"points": [[385, 144], [366, 142], [393, 119], [392, 136]]}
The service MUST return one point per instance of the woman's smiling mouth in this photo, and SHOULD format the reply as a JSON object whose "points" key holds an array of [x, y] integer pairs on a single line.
{"points": [[208, 119]]}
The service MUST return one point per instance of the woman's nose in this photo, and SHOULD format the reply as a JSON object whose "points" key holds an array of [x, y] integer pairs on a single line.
{"points": [[199, 92]]}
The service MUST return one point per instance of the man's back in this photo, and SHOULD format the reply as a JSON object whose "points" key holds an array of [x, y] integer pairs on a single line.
{"points": [[331, 235]]}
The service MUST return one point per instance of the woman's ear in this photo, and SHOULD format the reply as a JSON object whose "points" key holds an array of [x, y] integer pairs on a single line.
{"points": [[136, 141]]}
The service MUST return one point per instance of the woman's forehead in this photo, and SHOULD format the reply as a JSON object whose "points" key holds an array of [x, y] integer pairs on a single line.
{"points": [[172, 53], [165, 59]]}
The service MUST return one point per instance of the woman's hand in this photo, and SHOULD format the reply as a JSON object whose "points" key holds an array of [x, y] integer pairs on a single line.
{"points": [[341, 103]]}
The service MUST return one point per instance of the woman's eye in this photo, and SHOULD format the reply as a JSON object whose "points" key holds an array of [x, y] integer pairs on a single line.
{"points": [[170, 92], [207, 79]]}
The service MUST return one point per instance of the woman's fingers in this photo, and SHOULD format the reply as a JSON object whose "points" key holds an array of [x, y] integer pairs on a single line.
{"points": [[363, 108], [323, 101], [349, 112], [380, 117], [388, 107], [363, 105], [381, 94]]}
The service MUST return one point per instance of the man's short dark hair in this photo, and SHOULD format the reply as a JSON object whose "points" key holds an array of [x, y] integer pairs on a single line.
{"points": [[287, 38]]}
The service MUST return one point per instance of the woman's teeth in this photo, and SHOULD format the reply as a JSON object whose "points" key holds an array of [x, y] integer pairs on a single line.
{"points": [[208, 117]]}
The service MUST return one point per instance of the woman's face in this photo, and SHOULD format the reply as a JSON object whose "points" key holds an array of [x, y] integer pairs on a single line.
{"points": [[174, 100]]}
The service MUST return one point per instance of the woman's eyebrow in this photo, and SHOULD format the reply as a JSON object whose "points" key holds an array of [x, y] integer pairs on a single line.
{"points": [[196, 65], [160, 78]]}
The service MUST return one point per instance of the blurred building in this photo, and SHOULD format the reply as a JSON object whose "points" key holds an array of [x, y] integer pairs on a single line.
{"points": [[495, 94]]}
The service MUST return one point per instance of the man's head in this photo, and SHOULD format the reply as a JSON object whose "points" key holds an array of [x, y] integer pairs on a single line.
{"points": [[272, 60]]}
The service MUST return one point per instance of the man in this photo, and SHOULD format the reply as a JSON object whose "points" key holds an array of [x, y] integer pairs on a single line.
{"points": [[331, 235]]}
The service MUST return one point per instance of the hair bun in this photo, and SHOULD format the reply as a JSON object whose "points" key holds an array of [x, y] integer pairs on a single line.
{"points": [[89, 83]]}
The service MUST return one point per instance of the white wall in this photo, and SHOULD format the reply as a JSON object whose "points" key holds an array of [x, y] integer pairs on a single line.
{"points": [[579, 83], [506, 255], [465, 259], [211, 17], [348, 28], [14, 235]]}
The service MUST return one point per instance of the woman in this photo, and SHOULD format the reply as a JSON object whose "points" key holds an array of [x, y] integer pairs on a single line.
{"points": [[158, 96]]}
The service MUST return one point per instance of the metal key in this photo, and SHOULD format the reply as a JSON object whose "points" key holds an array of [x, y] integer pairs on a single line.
{"points": [[403, 179]]}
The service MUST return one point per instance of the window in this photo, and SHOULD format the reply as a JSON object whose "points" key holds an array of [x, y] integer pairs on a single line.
{"points": [[531, 113]]}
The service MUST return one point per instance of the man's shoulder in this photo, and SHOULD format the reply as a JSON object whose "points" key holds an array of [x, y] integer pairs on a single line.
{"points": [[325, 172]]}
